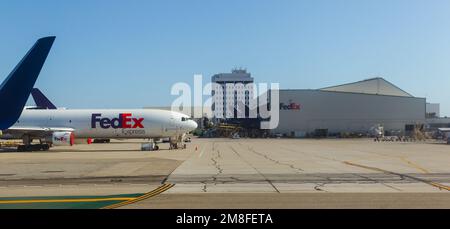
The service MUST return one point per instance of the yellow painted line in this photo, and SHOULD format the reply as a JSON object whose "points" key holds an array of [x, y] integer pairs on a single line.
{"points": [[146, 196], [414, 165], [155, 192], [365, 167], [152, 193], [202, 151], [435, 184], [126, 200], [440, 186], [64, 200]]}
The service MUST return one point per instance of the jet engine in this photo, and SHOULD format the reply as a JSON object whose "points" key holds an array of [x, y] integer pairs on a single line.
{"points": [[63, 138]]}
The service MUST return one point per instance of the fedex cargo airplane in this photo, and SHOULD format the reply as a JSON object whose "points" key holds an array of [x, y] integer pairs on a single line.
{"points": [[16, 88], [57, 127]]}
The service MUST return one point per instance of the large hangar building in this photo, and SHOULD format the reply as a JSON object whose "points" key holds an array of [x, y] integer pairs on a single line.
{"points": [[349, 108]]}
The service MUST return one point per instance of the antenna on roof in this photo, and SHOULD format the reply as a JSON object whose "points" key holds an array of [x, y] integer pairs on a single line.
{"points": [[239, 70]]}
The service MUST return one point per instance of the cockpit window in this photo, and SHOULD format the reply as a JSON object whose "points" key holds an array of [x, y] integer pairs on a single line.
{"points": [[183, 119]]}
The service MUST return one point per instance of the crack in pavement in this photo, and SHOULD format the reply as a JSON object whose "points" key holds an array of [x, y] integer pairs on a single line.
{"points": [[204, 186], [333, 159], [318, 185], [355, 178], [237, 179], [217, 166], [215, 162], [402, 176], [259, 172], [378, 182], [273, 160]]}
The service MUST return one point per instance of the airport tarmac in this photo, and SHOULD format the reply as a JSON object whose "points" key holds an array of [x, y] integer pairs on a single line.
{"points": [[240, 173]]}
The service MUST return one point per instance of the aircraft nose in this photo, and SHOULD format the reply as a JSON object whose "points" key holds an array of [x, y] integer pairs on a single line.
{"points": [[192, 125]]}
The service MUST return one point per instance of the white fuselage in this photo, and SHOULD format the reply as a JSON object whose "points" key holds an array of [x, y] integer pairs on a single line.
{"points": [[124, 123]]}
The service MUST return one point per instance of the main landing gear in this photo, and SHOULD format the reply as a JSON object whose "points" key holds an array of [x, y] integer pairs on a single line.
{"points": [[151, 146], [28, 147], [34, 147]]}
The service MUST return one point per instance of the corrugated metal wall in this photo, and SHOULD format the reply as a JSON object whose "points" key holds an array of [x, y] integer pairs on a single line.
{"points": [[347, 112]]}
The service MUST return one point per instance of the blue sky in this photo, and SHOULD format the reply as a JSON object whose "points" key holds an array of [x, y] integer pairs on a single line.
{"points": [[128, 54]]}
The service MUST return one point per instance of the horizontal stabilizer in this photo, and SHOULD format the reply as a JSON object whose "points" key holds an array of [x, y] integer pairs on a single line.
{"points": [[42, 102]]}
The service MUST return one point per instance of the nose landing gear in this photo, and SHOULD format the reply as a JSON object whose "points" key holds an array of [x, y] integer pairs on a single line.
{"points": [[177, 142], [178, 145]]}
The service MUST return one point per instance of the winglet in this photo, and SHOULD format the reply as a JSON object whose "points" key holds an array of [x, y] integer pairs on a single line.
{"points": [[42, 102], [16, 88]]}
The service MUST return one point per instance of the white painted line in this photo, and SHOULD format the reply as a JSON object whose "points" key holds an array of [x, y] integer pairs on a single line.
{"points": [[201, 153]]}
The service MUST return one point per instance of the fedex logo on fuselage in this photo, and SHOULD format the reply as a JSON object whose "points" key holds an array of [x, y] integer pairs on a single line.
{"points": [[125, 120]]}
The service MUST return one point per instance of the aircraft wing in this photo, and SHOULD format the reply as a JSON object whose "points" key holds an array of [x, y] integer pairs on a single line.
{"points": [[35, 131]]}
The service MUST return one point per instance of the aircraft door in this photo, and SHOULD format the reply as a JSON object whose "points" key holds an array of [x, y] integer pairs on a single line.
{"points": [[173, 126]]}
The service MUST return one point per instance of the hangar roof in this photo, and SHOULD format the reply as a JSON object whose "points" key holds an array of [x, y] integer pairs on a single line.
{"points": [[376, 86]]}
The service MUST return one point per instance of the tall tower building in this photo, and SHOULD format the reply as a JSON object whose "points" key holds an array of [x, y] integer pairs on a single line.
{"points": [[229, 90]]}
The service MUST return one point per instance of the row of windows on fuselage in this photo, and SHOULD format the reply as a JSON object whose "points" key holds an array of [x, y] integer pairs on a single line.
{"points": [[50, 119]]}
